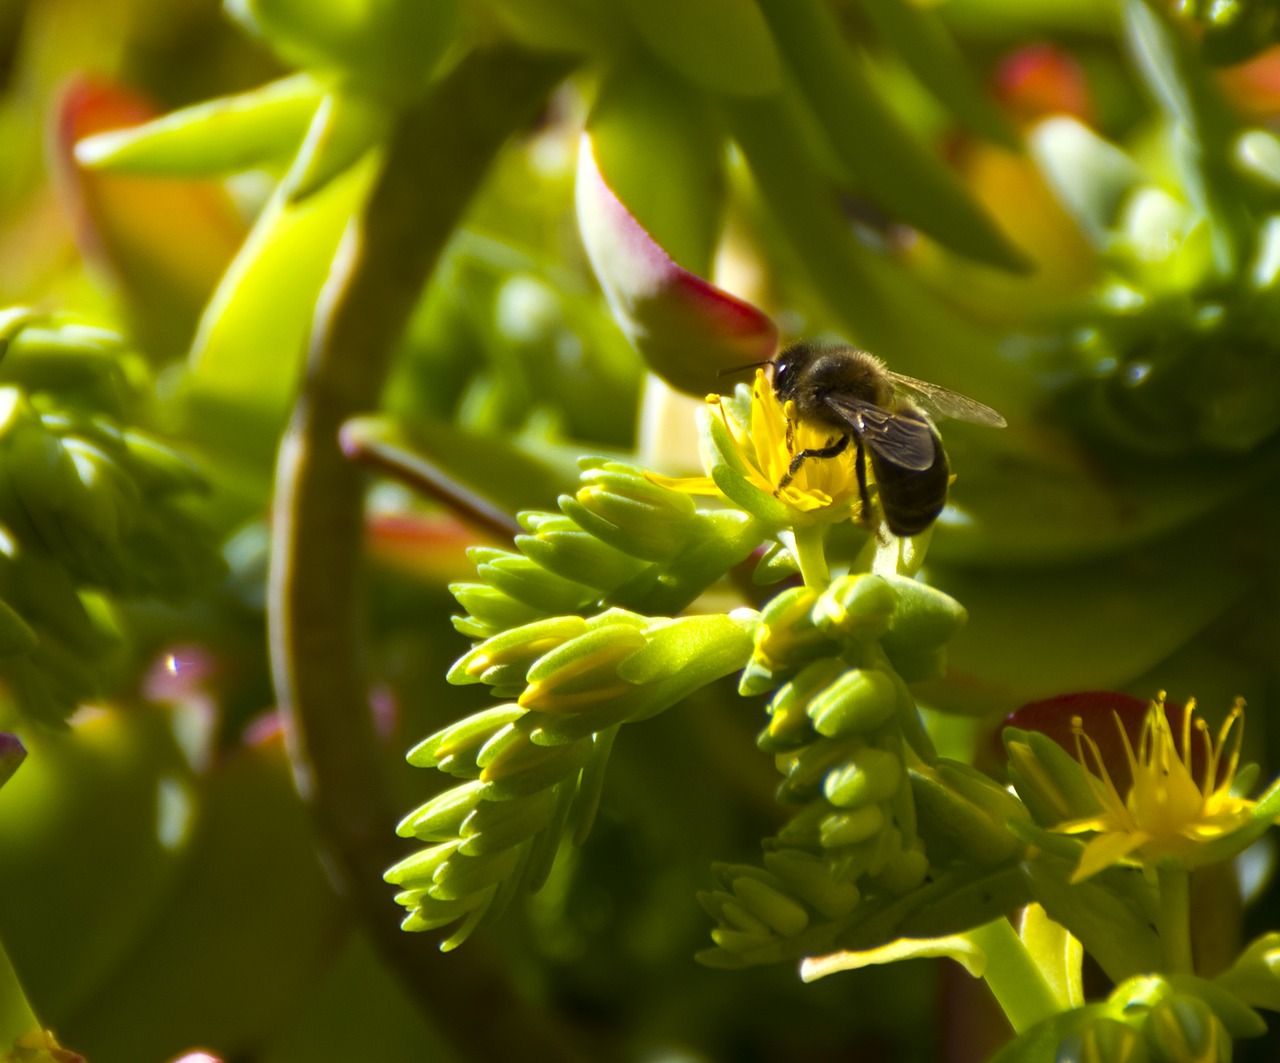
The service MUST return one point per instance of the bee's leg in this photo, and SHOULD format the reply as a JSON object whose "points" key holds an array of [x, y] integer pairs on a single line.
{"points": [[864, 495], [834, 450]]}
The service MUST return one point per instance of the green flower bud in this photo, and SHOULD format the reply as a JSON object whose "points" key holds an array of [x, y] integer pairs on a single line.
{"points": [[924, 617], [859, 607], [755, 912], [804, 829], [754, 947], [629, 682], [806, 769], [1049, 780], [859, 701], [582, 672], [756, 679], [772, 906], [810, 878], [705, 647], [719, 541], [738, 918], [1183, 1029], [789, 726], [787, 635], [461, 876], [491, 611], [904, 869], [418, 871], [529, 582], [454, 749], [849, 828], [620, 507], [515, 766], [560, 546], [439, 819], [495, 825], [778, 563], [517, 648], [603, 476], [428, 913], [869, 776]]}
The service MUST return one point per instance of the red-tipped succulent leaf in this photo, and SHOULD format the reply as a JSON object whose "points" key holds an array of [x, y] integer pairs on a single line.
{"points": [[164, 243], [688, 331]]}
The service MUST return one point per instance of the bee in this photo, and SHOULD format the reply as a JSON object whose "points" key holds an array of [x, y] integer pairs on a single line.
{"points": [[886, 416]]}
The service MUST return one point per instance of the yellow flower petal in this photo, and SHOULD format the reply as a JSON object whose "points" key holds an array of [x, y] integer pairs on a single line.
{"points": [[1105, 850], [688, 485], [1166, 812]]}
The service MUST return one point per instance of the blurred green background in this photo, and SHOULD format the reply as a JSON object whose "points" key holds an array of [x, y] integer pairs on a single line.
{"points": [[1068, 210]]}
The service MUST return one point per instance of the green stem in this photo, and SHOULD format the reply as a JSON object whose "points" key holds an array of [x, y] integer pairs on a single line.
{"points": [[438, 154], [1175, 919], [1019, 987], [811, 555]]}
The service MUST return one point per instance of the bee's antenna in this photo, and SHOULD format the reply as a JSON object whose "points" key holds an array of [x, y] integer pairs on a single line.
{"points": [[742, 368]]}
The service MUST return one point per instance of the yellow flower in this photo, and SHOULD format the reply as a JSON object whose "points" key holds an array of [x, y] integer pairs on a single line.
{"points": [[756, 453], [1168, 814]]}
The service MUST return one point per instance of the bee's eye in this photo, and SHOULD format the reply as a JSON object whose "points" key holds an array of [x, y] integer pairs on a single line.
{"points": [[780, 370]]}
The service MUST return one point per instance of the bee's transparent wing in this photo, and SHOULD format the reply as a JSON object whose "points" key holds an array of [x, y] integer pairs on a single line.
{"points": [[901, 439], [944, 402]]}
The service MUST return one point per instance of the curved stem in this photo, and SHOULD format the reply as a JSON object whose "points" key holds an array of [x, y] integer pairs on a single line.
{"points": [[1017, 983], [437, 156]]}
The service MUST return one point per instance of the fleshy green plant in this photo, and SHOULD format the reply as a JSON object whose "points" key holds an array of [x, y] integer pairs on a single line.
{"points": [[467, 248]]}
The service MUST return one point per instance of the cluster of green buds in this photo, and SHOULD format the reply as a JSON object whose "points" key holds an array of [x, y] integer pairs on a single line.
{"points": [[844, 731], [892, 841], [568, 631], [561, 638], [534, 767], [621, 539], [91, 508]]}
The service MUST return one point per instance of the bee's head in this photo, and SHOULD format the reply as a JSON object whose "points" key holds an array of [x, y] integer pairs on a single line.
{"points": [[789, 367]]}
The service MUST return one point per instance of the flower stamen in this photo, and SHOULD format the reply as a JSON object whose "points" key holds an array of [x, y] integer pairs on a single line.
{"points": [[1166, 813], [756, 449], [1101, 778]]}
